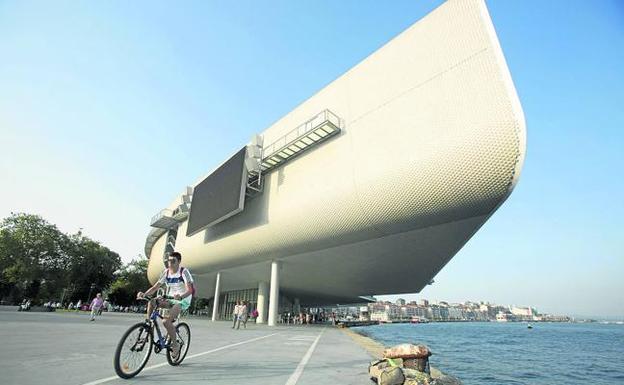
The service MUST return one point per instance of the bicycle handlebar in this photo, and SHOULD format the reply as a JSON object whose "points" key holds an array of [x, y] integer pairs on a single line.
{"points": [[148, 298]]}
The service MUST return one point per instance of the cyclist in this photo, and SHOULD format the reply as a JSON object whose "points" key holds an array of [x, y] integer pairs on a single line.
{"points": [[179, 283]]}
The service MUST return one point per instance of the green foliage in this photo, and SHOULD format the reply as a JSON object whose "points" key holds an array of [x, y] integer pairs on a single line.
{"points": [[131, 279], [39, 262], [198, 304], [91, 263]]}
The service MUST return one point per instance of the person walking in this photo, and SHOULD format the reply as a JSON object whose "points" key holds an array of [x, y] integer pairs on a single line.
{"points": [[243, 315], [96, 306], [236, 313]]}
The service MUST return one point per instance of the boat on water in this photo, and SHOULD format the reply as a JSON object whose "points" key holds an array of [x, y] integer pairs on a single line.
{"points": [[529, 326]]}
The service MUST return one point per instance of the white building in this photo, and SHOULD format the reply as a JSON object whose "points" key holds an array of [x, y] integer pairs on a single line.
{"points": [[455, 313], [524, 313], [369, 187]]}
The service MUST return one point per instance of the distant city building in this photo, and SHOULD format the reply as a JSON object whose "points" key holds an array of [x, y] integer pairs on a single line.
{"points": [[455, 314], [555, 318], [380, 317], [364, 313], [523, 311], [443, 311]]}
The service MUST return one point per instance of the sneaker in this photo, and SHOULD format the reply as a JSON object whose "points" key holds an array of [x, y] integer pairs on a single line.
{"points": [[92, 319]]}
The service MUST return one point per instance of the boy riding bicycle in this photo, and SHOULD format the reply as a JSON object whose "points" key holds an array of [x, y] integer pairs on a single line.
{"points": [[179, 283]]}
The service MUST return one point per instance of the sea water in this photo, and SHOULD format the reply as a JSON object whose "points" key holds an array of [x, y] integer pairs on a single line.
{"points": [[511, 353]]}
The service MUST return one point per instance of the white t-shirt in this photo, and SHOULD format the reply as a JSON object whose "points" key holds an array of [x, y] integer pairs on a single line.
{"points": [[176, 282]]}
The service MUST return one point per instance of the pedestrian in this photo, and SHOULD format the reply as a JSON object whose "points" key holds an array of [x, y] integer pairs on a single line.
{"points": [[236, 313], [105, 305], [96, 306], [243, 315]]}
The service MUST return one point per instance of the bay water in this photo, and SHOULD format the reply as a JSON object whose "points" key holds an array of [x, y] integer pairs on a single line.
{"points": [[511, 353]]}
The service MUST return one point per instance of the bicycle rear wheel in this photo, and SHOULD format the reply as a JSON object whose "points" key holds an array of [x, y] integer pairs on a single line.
{"points": [[133, 351], [183, 335]]}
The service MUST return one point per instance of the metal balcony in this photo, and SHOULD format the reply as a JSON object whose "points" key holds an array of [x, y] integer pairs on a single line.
{"points": [[307, 135], [181, 213], [164, 220]]}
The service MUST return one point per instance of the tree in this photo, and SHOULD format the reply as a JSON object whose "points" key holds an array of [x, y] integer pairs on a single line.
{"points": [[33, 254], [90, 263], [131, 279], [39, 262]]}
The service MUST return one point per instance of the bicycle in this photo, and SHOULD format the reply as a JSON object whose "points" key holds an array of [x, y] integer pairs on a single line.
{"points": [[135, 347]]}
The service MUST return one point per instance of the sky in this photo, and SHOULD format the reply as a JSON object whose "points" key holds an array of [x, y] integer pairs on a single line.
{"points": [[108, 109]]}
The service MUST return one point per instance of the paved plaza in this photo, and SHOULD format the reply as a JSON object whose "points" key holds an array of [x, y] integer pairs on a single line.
{"points": [[65, 348]]}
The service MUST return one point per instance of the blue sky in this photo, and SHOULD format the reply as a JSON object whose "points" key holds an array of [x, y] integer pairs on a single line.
{"points": [[108, 109]]}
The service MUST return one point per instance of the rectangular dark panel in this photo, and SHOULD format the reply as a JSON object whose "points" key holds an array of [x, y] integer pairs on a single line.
{"points": [[220, 195]]}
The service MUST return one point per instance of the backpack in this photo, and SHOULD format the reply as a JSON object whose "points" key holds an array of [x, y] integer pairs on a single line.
{"points": [[182, 277]]}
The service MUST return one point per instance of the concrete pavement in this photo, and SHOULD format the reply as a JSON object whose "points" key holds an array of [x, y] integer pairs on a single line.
{"points": [[65, 348]]}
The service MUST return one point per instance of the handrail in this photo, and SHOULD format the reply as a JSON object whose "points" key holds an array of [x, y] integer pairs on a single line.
{"points": [[160, 214], [300, 130]]}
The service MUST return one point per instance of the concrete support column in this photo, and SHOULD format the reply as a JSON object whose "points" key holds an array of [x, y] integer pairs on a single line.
{"points": [[274, 295], [297, 306], [263, 302], [215, 303]]}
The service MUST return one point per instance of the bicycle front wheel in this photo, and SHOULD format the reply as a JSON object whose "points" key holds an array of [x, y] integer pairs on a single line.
{"points": [[133, 351], [183, 335]]}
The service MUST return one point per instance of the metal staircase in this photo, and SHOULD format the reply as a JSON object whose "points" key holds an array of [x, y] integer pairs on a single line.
{"points": [[307, 135], [167, 220]]}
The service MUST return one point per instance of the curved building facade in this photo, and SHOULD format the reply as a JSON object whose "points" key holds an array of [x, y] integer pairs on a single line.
{"points": [[429, 140]]}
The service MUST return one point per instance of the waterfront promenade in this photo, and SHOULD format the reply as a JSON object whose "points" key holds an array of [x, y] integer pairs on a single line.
{"points": [[65, 348]]}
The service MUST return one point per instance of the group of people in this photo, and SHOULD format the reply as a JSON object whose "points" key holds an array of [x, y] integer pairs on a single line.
{"points": [[25, 305], [241, 314], [95, 306], [98, 301], [305, 318]]}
